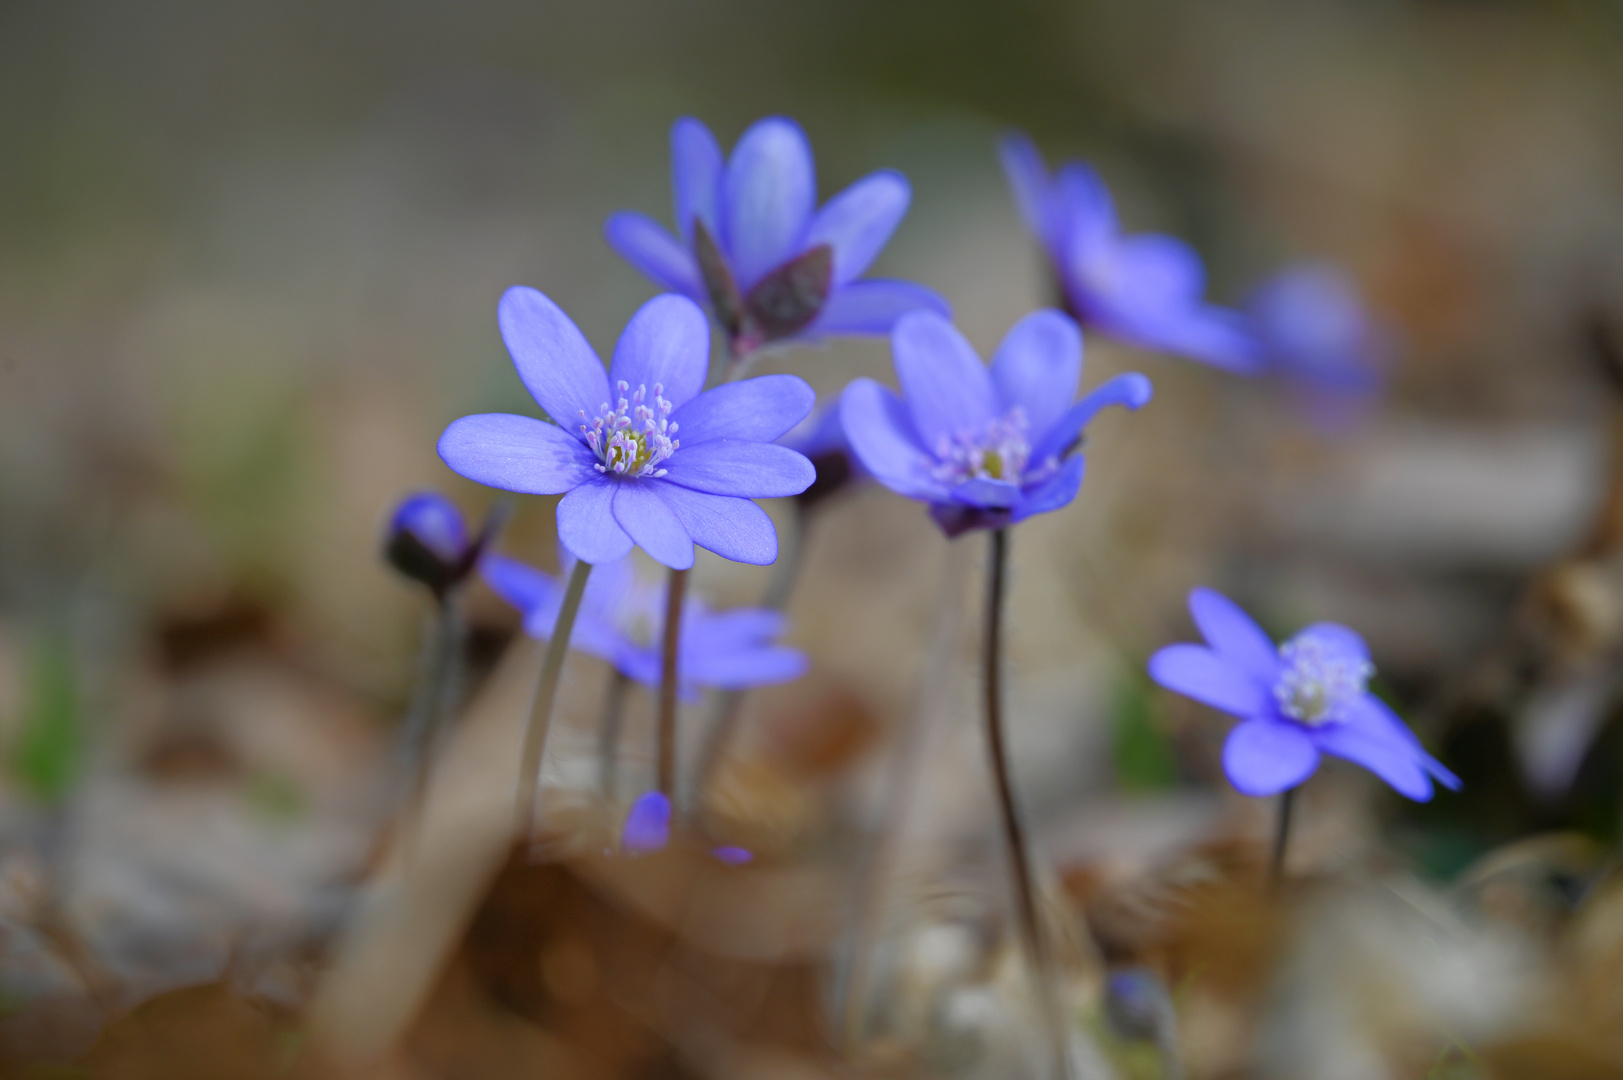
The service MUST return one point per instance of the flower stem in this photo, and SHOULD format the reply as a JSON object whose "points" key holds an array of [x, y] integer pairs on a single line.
{"points": [[675, 593], [546, 692], [1282, 832], [1025, 893], [608, 730], [436, 695]]}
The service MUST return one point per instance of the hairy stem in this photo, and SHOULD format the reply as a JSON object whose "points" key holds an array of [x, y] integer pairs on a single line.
{"points": [[546, 692], [1282, 834], [608, 731], [675, 593], [1025, 892]]}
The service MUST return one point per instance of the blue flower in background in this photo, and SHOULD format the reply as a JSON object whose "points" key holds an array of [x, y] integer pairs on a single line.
{"points": [[428, 541], [753, 245], [640, 456], [622, 621], [648, 824], [984, 446], [821, 437], [1145, 290], [1305, 698], [1314, 330]]}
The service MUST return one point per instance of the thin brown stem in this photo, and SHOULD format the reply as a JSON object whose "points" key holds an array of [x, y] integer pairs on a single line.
{"points": [[675, 593], [546, 692], [1282, 834], [1025, 892]]}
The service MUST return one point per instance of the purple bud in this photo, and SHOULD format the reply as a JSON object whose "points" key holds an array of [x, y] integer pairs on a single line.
{"points": [[428, 541], [648, 826]]}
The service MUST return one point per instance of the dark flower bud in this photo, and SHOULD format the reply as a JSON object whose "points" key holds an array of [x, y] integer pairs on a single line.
{"points": [[428, 542]]}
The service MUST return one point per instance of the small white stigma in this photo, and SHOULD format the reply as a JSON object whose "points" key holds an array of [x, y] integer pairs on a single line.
{"points": [[632, 439], [1319, 680]]}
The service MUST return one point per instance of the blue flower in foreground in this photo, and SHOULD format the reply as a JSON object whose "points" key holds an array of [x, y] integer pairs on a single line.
{"points": [[1144, 290], [756, 248], [985, 447], [622, 621], [1295, 702], [1314, 330], [640, 456]]}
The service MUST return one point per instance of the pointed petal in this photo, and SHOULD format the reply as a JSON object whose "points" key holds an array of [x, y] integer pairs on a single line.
{"points": [[947, 389], [874, 305], [1028, 178], [1131, 390], [644, 243], [1038, 367], [749, 470], [881, 435], [1265, 757], [553, 359], [666, 343], [763, 408], [1234, 635], [1373, 714], [696, 170], [1054, 493], [651, 524], [735, 529], [1197, 672], [858, 221], [516, 453], [586, 525], [768, 193]]}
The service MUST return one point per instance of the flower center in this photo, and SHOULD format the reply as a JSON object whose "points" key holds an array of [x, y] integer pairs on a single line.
{"points": [[1000, 451], [631, 439], [1320, 680]]}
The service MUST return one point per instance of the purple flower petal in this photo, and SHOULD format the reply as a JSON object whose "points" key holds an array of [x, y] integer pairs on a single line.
{"points": [[1234, 635], [1197, 672], [435, 522], [1052, 494], [666, 343], [736, 669], [1159, 272], [1028, 178], [752, 470], [740, 628], [1343, 638], [516, 453], [1371, 713], [696, 170], [1088, 217], [586, 524], [1038, 367], [768, 194], [732, 856], [763, 408], [874, 305], [644, 243], [1387, 756], [651, 524], [985, 492], [538, 595], [733, 528], [947, 389], [882, 437], [858, 221], [648, 825], [1265, 757], [1131, 390], [554, 362], [520, 584]]}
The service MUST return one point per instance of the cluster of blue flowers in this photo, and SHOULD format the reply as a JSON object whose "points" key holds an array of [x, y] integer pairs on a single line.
{"points": [[645, 456]]}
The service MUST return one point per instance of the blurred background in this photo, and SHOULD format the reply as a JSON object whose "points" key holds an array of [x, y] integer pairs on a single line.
{"points": [[249, 260]]}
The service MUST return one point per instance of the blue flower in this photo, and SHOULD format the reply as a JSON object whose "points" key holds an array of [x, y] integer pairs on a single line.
{"points": [[985, 447], [1307, 697], [821, 437], [622, 619], [1314, 330], [1144, 290], [648, 825], [428, 541], [756, 248], [640, 456]]}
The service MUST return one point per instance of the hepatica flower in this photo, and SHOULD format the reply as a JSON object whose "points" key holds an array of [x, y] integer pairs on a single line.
{"points": [[641, 457], [1145, 290], [1306, 698], [985, 446], [752, 244], [1313, 329], [621, 620]]}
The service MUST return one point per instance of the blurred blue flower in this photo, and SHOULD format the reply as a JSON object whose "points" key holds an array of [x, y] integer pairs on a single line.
{"points": [[648, 825], [664, 466], [622, 621], [1314, 331], [1305, 698], [1145, 290], [756, 248], [984, 446], [428, 541], [821, 437]]}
